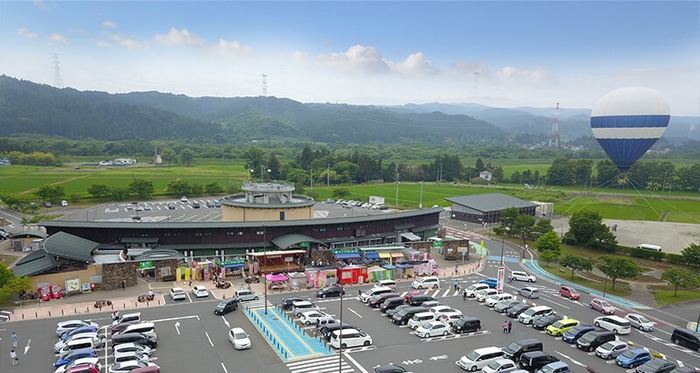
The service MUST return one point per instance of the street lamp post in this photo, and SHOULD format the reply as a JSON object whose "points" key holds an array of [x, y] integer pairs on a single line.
{"points": [[340, 333], [265, 266], [420, 204]]}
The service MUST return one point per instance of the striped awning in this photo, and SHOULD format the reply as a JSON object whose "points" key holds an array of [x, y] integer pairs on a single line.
{"points": [[385, 255]]}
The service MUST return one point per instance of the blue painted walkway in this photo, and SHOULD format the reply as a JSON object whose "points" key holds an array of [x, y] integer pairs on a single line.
{"points": [[290, 342], [535, 267], [497, 258]]}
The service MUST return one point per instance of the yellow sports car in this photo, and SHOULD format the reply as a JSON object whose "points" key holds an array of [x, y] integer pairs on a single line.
{"points": [[560, 327]]}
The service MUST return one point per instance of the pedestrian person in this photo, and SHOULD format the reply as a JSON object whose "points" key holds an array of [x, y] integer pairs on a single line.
{"points": [[505, 327], [510, 279], [464, 295], [148, 278], [13, 356], [15, 340], [313, 263], [456, 285], [104, 342], [510, 326], [456, 268], [191, 282], [123, 285], [359, 293]]}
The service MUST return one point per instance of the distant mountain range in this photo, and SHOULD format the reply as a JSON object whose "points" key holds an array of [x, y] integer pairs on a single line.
{"points": [[30, 108]]}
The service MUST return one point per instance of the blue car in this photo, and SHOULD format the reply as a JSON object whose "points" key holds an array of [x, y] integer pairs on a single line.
{"points": [[81, 330], [575, 333], [75, 355], [633, 358], [492, 282]]}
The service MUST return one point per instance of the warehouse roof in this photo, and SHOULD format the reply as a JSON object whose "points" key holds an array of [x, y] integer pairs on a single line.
{"points": [[490, 202]]}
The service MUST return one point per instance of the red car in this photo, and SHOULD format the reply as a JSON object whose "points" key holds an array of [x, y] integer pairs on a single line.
{"points": [[55, 292], [569, 292], [409, 293], [85, 368], [44, 293]]}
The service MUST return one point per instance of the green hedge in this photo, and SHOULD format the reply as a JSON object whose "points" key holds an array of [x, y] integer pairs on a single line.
{"points": [[647, 254], [675, 258]]}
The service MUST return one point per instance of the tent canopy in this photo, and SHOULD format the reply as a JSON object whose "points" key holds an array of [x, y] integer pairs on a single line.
{"points": [[372, 256], [276, 277], [347, 256]]}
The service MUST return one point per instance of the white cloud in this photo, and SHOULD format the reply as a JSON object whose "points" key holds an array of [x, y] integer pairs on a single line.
{"points": [[103, 44], [127, 42], [231, 49], [108, 24], [56, 38], [180, 38], [41, 4], [24, 32], [415, 64], [513, 75], [357, 59]]}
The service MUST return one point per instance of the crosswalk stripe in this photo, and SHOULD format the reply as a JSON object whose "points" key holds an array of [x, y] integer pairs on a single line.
{"points": [[321, 364]]}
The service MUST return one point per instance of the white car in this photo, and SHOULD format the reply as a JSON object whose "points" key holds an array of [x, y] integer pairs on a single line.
{"points": [[84, 361], [310, 317], [640, 322], [481, 295], [491, 300], [301, 306], [177, 294], [67, 326], [239, 338], [147, 207], [611, 349], [244, 295], [522, 276], [442, 309], [450, 317], [200, 291], [183, 199], [474, 288], [64, 203], [132, 347], [128, 366], [499, 366], [432, 329], [122, 357]]}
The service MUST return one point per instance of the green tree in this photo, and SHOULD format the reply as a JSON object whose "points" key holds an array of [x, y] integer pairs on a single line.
{"points": [[679, 278], [576, 263], [50, 192], [543, 226], [273, 164], [508, 217], [691, 254], [479, 165], [582, 170], [522, 226], [179, 187], [549, 256], [186, 157], [549, 242], [606, 173], [16, 284], [341, 193], [213, 188], [142, 188], [99, 191], [5, 274], [168, 156], [618, 267], [120, 194], [560, 172], [197, 189], [584, 225]]}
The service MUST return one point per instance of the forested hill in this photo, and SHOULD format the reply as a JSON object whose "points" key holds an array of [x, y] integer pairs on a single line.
{"points": [[30, 108]]}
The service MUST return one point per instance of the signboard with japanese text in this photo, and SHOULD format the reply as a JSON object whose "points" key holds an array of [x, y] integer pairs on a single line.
{"points": [[501, 277]]}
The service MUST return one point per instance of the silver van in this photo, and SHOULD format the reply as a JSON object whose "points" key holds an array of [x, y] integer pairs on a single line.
{"points": [[79, 344], [364, 297], [145, 328]]}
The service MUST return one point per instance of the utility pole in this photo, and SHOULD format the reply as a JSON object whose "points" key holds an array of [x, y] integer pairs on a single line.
{"points": [[420, 204], [397, 185], [328, 176]]}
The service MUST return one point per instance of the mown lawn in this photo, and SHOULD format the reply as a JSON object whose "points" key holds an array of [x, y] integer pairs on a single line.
{"points": [[556, 270], [665, 297]]}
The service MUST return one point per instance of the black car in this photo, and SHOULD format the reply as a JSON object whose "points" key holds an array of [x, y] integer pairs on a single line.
{"points": [[504, 305], [656, 365], [287, 302], [418, 299], [330, 291], [466, 325], [195, 205], [226, 306], [390, 368], [517, 310], [543, 322], [390, 313]]}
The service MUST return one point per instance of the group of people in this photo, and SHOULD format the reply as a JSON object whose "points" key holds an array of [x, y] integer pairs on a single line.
{"points": [[13, 353], [507, 326]]}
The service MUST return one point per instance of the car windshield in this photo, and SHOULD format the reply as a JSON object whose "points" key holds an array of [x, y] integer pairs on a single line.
{"points": [[642, 319], [607, 346], [588, 337], [494, 365], [472, 356], [513, 346], [240, 335], [605, 304], [629, 354], [472, 287], [557, 324], [547, 369]]}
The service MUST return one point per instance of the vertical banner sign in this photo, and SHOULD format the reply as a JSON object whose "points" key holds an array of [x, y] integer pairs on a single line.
{"points": [[501, 277]]}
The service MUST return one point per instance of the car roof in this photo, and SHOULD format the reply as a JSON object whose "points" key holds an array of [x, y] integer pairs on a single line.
{"points": [[301, 302], [237, 329], [177, 289], [557, 364], [67, 322]]}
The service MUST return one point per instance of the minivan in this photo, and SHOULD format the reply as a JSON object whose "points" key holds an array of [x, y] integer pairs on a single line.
{"points": [[479, 358], [387, 283], [80, 344], [139, 338], [534, 313], [613, 323], [418, 299], [390, 303], [466, 325], [60, 345], [534, 360], [687, 338], [592, 340], [364, 297], [351, 338], [226, 306], [420, 319], [378, 299], [426, 282], [146, 328], [402, 317], [128, 317], [517, 348]]}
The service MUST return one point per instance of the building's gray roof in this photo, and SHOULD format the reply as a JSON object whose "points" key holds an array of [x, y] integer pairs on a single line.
{"points": [[35, 263], [212, 246], [288, 240], [68, 246], [159, 254], [235, 224], [490, 202], [29, 234]]}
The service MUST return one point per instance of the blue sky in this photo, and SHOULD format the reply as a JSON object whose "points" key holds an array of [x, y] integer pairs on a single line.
{"points": [[498, 53]]}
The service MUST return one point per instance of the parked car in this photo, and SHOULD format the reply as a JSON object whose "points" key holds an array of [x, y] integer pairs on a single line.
{"points": [[543, 322], [442, 310], [310, 317], [633, 358], [75, 355], [569, 292], [83, 367], [576, 332], [95, 361], [129, 366], [177, 294], [200, 291], [183, 199], [432, 329], [555, 367], [351, 338], [522, 276], [390, 368], [656, 365], [64, 203], [466, 325], [492, 282], [473, 288], [529, 292], [129, 356], [132, 347], [481, 295], [330, 291], [499, 365], [239, 338], [303, 306], [562, 326], [171, 206], [611, 349], [504, 305], [602, 306], [246, 295], [195, 205], [67, 326], [516, 310], [80, 330], [491, 300], [640, 322], [287, 303]]}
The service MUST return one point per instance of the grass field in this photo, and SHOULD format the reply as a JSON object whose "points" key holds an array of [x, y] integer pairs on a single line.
{"points": [[665, 297], [635, 208], [556, 270]]}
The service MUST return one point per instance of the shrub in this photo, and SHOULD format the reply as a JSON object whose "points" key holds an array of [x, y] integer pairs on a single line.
{"points": [[675, 258], [646, 254]]}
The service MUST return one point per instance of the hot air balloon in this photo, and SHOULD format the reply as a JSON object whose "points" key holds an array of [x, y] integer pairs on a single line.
{"points": [[628, 121]]}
